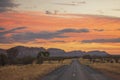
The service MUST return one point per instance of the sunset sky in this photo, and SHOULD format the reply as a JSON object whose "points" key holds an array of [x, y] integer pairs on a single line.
{"points": [[65, 24]]}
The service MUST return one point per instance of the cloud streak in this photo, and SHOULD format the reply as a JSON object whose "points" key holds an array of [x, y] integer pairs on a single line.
{"points": [[4, 39], [6, 5], [112, 40], [99, 30], [71, 4], [31, 36], [28, 36], [10, 31], [67, 4], [1, 28], [116, 9], [68, 30], [57, 41], [118, 29]]}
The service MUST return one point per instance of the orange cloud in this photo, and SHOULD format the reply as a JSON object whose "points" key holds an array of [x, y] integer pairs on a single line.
{"points": [[37, 22], [41, 21]]}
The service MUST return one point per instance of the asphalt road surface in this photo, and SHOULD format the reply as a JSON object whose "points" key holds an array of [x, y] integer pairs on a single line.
{"points": [[75, 71]]}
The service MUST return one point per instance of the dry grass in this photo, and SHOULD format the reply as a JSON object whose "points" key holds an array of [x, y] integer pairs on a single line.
{"points": [[27, 72], [110, 69], [67, 61], [84, 61]]}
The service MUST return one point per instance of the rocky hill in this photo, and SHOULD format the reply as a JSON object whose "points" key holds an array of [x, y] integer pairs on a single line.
{"points": [[21, 51], [97, 53], [2, 51]]}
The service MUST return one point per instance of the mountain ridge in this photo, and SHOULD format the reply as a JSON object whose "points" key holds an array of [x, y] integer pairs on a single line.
{"points": [[22, 51]]}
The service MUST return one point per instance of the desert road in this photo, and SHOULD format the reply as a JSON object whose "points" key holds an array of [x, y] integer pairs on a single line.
{"points": [[75, 71]]}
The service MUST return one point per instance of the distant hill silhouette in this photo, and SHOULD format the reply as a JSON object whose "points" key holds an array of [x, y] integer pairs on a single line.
{"points": [[97, 53], [2, 51], [21, 51], [56, 52], [76, 53]]}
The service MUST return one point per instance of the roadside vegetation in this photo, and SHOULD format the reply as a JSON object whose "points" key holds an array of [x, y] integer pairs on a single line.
{"points": [[28, 67], [13, 67], [108, 66], [30, 71]]}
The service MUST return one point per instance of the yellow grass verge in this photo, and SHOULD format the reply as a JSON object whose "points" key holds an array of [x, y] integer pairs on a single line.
{"points": [[110, 67], [27, 72]]}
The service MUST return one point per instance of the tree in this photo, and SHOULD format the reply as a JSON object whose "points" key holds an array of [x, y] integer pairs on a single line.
{"points": [[116, 58], [3, 59], [12, 55], [27, 60], [41, 56]]}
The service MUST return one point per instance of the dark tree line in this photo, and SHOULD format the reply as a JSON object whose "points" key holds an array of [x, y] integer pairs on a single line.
{"points": [[3, 59], [41, 56], [103, 59], [12, 59]]}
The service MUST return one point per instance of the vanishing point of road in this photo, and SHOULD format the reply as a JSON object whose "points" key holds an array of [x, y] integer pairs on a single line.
{"points": [[75, 71]]}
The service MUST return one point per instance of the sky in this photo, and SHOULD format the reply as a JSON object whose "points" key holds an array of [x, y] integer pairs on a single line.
{"points": [[66, 24]]}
